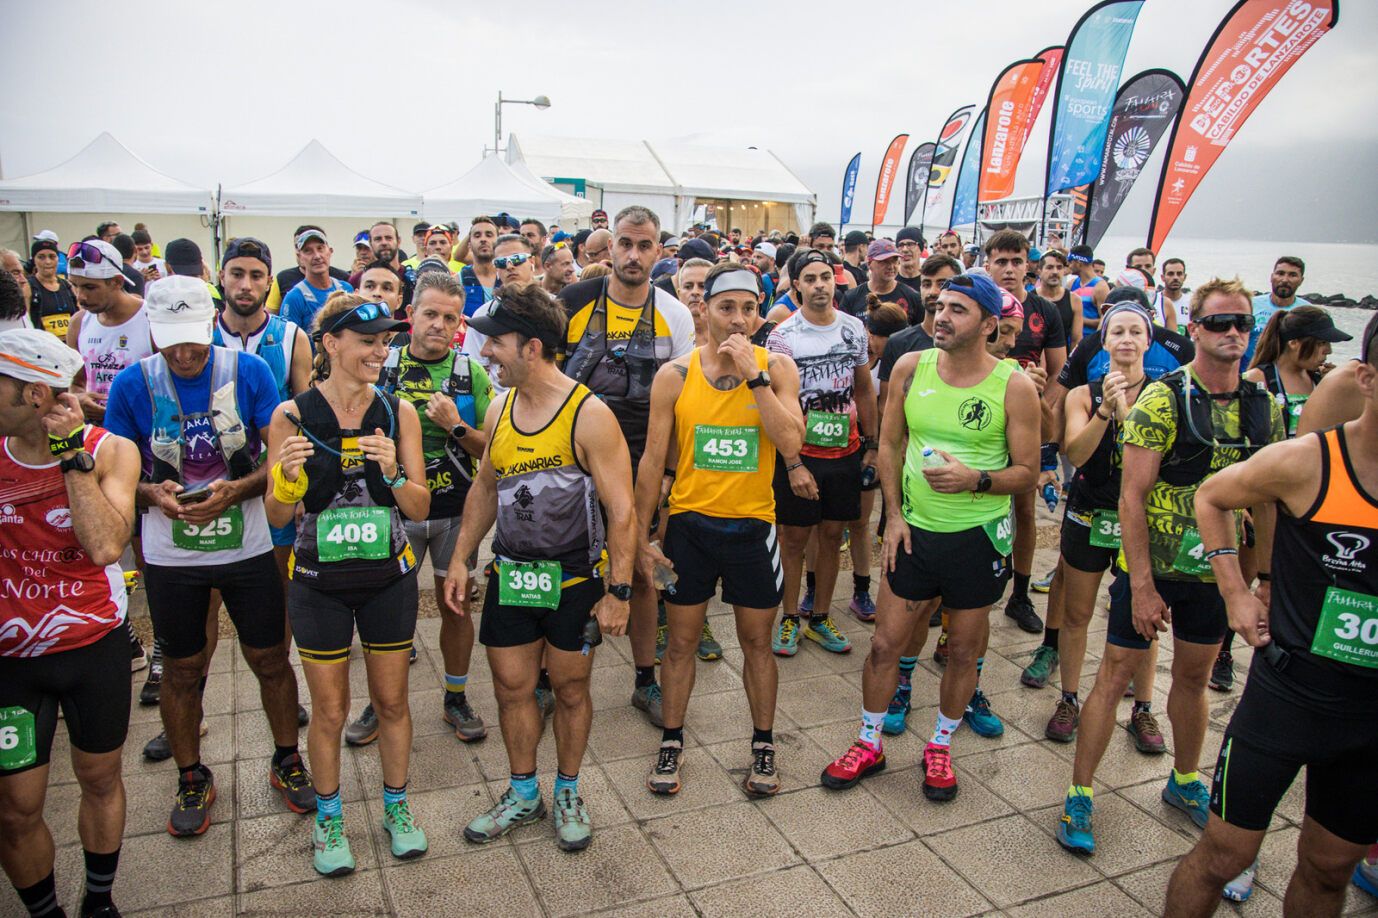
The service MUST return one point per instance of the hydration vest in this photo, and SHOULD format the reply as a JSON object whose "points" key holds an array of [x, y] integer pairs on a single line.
{"points": [[1189, 460], [459, 387], [275, 346], [324, 475], [166, 440], [635, 362]]}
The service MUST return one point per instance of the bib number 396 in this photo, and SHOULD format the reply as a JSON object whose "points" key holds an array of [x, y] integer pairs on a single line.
{"points": [[535, 584], [18, 746], [354, 533], [1348, 628]]}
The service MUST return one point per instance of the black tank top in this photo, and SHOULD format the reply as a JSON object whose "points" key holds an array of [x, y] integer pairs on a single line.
{"points": [[1096, 485]]}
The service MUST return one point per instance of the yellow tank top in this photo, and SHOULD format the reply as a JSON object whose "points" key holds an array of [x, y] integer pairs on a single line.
{"points": [[726, 462]]}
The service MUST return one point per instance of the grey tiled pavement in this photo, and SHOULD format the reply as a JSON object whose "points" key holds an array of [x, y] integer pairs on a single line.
{"points": [[878, 849]]}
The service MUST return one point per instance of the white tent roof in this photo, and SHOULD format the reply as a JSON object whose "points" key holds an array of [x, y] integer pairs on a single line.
{"points": [[316, 184], [105, 177], [489, 188], [616, 165], [742, 174], [572, 207]]}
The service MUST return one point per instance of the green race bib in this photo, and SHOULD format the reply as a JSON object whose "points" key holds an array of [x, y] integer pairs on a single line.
{"points": [[1348, 628], [827, 428], [1001, 533], [532, 583], [349, 533], [1191, 557], [726, 449], [1105, 529], [18, 748], [224, 532]]}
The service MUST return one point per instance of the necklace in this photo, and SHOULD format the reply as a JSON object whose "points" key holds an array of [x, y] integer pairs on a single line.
{"points": [[338, 404]]}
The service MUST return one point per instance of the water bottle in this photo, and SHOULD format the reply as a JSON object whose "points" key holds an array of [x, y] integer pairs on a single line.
{"points": [[1050, 496], [593, 635], [931, 459], [868, 476], [664, 578]]}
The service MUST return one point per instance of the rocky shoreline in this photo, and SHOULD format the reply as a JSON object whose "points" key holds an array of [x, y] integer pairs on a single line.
{"points": [[1340, 301]]}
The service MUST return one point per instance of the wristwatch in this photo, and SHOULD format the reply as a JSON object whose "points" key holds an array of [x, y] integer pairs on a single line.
{"points": [[459, 430], [762, 379], [397, 482], [81, 461], [620, 591], [869, 443], [983, 482]]}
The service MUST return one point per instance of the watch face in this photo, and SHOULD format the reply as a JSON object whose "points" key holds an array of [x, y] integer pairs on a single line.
{"points": [[81, 462]]}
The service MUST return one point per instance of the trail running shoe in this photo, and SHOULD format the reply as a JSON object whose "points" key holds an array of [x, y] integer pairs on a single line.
{"points": [[1062, 726], [896, 714], [1366, 872], [982, 720], [1043, 584], [940, 651], [138, 657], [331, 855], [469, 727], [408, 841], [1222, 674], [762, 780], [191, 812], [939, 780], [1241, 887], [411, 657], [825, 634], [709, 648], [664, 777], [149, 694], [1074, 829], [806, 604], [846, 544], [510, 812], [859, 761], [647, 698], [132, 581], [1040, 668], [786, 642], [1021, 609], [1148, 737], [863, 607], [545, 700], [573, 830], [363, 730], [1192, 798], [291, 779], [159, 749]]}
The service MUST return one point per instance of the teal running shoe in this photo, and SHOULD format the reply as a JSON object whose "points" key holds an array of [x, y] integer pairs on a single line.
{"points": [[786, 642], [408, 840], [1043, 584], [982, 720], [1074, 829], [510, 812], [1241, 887], [331, 857], [806, 604], [1192, 798], [1366, 873], [826, 635], [573, 831], [896, 714], [1040, 668]]}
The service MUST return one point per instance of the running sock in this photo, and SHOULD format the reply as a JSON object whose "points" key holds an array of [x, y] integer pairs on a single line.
{"points": [[861, 584], [1142, 707], [645, 675], [100, 878], [980, 664], [543, 680], [1021, 586], [810, 580], [672, 735], [328, 806], [1080, 790], [1185, 778], [907, 665], [816, 617], [567, 782], [1050, 637], [393, 795], [41, 898], [1071, 698], [456, 684], [870, 727], [525, 785], [943, 730], [1227, 643], [282, 752], [762, 736]]}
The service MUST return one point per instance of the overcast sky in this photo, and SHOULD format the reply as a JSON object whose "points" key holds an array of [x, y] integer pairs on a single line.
{"points": [[403, 90]]}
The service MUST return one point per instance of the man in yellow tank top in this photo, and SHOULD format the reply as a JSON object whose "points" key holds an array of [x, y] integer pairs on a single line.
{"points": [[727, 407]]}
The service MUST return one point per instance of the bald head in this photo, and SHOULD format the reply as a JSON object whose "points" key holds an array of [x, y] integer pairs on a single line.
{"points": [[598, 247]]}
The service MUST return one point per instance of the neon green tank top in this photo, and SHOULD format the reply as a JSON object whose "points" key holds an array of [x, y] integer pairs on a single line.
{"points": [[969, 425]]}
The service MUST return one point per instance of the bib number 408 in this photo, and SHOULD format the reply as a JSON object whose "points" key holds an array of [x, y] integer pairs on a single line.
{"points": [[352, 533]]}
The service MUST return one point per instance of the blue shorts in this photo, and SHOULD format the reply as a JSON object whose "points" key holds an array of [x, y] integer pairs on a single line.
{"points": [[284, 536]]}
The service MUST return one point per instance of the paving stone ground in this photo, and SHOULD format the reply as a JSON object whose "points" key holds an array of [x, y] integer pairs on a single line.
{"points": [[878, 849]]}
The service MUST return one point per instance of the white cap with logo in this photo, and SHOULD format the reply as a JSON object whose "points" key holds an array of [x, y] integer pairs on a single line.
{"points": [[34, 355], [180, 311]]}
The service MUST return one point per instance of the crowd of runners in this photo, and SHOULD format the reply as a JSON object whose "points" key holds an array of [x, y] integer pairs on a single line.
{"points": [[644, 421]]}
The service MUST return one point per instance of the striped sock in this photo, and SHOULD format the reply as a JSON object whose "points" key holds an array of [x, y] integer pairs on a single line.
{"points": [[100, 878], [907, 665], [393, 795], [563, 781], [41, 898], [456, 684]]}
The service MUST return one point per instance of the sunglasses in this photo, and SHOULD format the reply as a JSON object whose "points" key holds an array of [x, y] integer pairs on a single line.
{"points": [[87, 253], [364, 312], [511, 261], [960, 281], [1223, 322]]}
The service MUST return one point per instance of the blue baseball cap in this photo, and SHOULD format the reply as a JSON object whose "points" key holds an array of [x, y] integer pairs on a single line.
{"points": [[561, 236], [361, 238], [980, 289]]}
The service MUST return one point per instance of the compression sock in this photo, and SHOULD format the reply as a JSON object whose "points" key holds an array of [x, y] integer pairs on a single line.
{"points": [[810, 580], [1071, 698], [762, 736], [1185, 778], [543, 680], [1142, 707], [645, 675], [1021, 586], [1050, 637], [943, 730], [870, 727], [282, 752], [41, 898], [672, 735], [525, 786], [1080, 790], [393, 795], [566, 782], [328, 806], [907, 665], [1228, 642], [100, 878], [455, 685], [861, 584]]}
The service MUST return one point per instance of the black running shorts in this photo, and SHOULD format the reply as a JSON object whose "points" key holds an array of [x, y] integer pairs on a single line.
{"points": [[962, 567], [839, 492], [1077, 549], [1198, 612], [91, 686], [179, 601], [323, 623], [561, 628], [743, 553]]}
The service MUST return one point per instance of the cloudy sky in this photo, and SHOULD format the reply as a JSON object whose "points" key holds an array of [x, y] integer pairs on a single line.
{"points": [[403, 90]]}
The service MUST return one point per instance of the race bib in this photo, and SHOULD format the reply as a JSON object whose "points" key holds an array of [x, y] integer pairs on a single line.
{"points": [[57, 324], [18, 746], [1191, 557], [1105, 529], [1001, 533], [726, 449], [827, 428], [349, 533], [224, 532], [1348, 628], [532, 583]]}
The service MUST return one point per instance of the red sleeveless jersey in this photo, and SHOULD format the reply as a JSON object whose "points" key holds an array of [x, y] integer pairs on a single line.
{"points": [[52, 597]]}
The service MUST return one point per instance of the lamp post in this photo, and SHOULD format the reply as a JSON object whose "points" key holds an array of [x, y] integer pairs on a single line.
{"points": [[541, 102]]}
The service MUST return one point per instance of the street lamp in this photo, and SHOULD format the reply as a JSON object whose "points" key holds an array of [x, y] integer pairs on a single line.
{"points": [[541, 102]]}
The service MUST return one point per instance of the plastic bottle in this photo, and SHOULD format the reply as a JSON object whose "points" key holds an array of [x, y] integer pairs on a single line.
{"points": [[931, 459], [665, 577], [1050, 496]]}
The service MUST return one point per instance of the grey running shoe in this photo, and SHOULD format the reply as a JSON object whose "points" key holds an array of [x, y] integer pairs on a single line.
{"points": [[364, 730], [291, 779], [468, 726], [709, 648], [149, 694], [647, 698], [573, 830], [159, 749], [664, 777], [191, 813], [545, 700], [511, 811], [1222, 673], [303, 717], [762, 780]]}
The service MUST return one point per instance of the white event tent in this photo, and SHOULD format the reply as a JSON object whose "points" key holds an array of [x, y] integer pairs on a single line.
{"points": [[493, 187], [575, 212]]}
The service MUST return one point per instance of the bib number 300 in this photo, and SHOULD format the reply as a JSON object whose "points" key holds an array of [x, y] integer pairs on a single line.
{"points": [[354, 533], [535, 584], [1348, 628], [18, 746]]}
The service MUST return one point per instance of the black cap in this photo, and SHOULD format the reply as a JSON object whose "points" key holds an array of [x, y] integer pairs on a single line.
{"points": [[499, 321], [910, 234], [420, 228], [1321, 327], [696, 248], [365, 321], [245, 247], [854, 238], [183, 257]]}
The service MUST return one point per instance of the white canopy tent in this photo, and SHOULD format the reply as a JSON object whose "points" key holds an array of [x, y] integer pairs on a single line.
{"points": [[575, 212], [750, 175], [626, 170], [491, 187], [104, 181]]}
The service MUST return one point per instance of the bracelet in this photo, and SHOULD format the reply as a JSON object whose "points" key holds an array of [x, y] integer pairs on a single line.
{"points": [[1221, 551], [74, 440], [791, 468], [1264, 578], [669, 472], [284, 491], [1103, 417], [397, 481]]}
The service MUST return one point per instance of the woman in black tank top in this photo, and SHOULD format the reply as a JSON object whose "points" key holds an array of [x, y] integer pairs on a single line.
{"points": [[1291, 357]]}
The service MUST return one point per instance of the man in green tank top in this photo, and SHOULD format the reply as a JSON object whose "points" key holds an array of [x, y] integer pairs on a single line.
{"points": [[959, 436]]}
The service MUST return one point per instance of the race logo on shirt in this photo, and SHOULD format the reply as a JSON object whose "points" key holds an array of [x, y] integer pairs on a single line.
{"points": [[1347, 546]]}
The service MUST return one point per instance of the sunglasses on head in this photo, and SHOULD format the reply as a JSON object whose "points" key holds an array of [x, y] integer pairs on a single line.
{"points": [[364, 312], [87, 253], [511, 261], [1224, 321], [961, 281]]}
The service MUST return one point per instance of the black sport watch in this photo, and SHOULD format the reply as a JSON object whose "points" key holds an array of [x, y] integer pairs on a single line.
{"points": [[81, 461], [620, 591], [983, 482], [761, 381]]}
